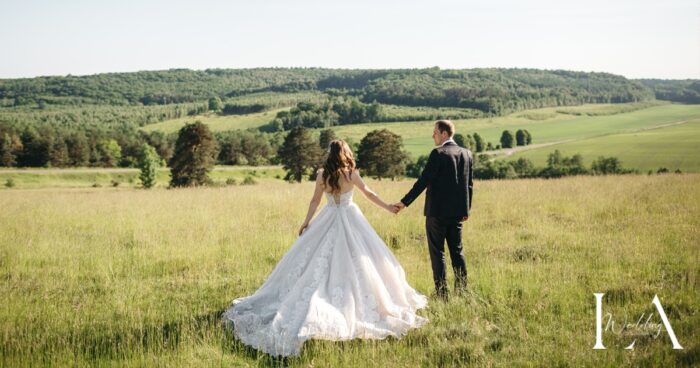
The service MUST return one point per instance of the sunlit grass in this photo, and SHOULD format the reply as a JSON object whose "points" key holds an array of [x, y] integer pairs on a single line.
{"points": [[673, 147], [124, 177], [125, 277]]}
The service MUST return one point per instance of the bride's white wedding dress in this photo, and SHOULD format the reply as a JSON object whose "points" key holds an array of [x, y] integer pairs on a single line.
{"points": [[338, 281]]}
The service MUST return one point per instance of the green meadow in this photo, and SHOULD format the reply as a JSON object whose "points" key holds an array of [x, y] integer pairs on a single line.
{"points": [[547, 126], [34, 178], [675, 147], [130, 278], [632, 132], [217, 123]]}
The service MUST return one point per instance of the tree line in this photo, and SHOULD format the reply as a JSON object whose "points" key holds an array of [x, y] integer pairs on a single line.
{"points": [[380, 154], [491, 90], [684, 91]]}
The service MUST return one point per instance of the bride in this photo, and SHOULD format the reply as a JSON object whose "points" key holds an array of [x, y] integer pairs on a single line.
{"points": [[338, 281]]}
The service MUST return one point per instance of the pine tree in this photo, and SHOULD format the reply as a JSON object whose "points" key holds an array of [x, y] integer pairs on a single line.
{"points": [[507, 139], [479, 143], [299, 153], [194, 157], [520, 137]]}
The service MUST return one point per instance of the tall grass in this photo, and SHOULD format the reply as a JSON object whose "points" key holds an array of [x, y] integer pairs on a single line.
{"points": [[123, 277]]}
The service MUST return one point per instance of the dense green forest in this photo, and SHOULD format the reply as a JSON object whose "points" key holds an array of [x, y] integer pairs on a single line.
{"points": [[94, 120], [489, 90], [685, 91]]}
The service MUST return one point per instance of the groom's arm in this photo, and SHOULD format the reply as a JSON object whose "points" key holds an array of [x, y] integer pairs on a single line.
{"points": [[429, 172]]}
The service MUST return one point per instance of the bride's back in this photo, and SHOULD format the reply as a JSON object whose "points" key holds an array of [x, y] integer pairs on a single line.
{"points": [[344, 181]]}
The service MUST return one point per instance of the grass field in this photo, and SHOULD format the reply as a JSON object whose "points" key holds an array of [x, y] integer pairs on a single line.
{"points": [[587, 128], [123, 277], [545, 125], [34, 178], [673, 147], [217, 123]]}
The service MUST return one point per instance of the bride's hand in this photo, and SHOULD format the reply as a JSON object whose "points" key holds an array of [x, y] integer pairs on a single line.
{"points": [[391, 208], [303, 228]]}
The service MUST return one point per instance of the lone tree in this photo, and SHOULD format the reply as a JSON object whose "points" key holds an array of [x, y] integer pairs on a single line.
{"points": [[194, 157], [148, 162], [507, 139], [520, 137], [299, 153], [380, 154]]}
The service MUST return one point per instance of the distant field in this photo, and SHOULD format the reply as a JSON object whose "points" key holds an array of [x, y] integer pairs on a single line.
{"points": [[256, 120], [545, 125], [585, 129], [87, 177], [673, 147], [217, 123]]}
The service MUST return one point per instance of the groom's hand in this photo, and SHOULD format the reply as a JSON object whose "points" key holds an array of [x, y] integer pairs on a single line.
{"points": [[399, 206], [464, 218]]}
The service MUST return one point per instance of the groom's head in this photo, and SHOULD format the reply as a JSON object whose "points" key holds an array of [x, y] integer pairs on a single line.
{"points": [[444, 130]]}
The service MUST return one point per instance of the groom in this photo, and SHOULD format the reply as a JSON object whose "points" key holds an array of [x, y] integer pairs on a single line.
{"points": [[448, 177]]}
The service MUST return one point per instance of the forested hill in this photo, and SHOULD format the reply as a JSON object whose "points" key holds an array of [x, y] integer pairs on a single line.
{"points": [[685, 91], [492, 90]]}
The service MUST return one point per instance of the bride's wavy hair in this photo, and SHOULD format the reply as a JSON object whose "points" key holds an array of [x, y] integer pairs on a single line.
{"points": [[340, 159]]}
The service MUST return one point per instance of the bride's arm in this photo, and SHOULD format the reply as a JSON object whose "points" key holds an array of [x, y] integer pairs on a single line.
{"points": [[315, 201], [369, 193]]}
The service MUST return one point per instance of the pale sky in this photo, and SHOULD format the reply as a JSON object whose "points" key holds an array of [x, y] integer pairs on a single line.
{"points": [[634, 38]]}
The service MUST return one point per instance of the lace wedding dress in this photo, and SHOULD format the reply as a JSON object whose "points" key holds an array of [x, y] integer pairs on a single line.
{"points": [[338, 281]]}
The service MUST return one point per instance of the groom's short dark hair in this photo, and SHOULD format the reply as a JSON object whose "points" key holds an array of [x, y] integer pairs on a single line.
{"points": [[445, 126]]}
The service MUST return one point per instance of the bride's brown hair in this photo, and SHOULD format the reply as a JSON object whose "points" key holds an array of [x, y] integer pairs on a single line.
{"points": [[339, 161]]}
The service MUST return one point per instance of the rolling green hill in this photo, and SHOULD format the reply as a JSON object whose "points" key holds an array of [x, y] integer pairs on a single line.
{"points": [[674, 146], [547, 126], [103, 120]]}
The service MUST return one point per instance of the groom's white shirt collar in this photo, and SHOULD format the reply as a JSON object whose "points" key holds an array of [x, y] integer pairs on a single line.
{"points": [[449, 140]]}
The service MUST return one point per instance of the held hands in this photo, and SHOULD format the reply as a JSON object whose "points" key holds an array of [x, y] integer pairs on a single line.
{"points": [[397, 207], [391, 208]]}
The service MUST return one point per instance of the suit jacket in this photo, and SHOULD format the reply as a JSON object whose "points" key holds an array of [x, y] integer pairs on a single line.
{"points": [[448, 177]]}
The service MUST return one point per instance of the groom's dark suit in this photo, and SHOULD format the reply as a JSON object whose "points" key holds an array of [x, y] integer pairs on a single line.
{"points": [[448, 177]]}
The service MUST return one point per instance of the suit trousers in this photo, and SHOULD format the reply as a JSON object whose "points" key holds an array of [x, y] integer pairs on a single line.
{"points": [[438, 230]]}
